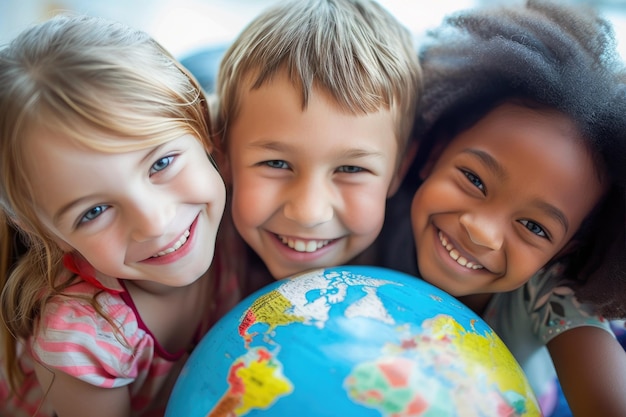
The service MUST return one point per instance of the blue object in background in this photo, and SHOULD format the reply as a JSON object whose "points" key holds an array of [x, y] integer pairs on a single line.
{"points": [[204, 65]]}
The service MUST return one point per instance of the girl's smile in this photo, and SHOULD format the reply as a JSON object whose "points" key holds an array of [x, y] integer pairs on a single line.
{"points": [[131, 212], [501, 200]]}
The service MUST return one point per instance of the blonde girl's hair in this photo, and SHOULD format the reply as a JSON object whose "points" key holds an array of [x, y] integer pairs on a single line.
{"points": [[107, 86], [355, 50]]}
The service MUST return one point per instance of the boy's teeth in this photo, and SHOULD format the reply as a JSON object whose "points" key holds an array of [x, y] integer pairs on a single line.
{"points": [[300, 245], [454, 254], [175, 246]]}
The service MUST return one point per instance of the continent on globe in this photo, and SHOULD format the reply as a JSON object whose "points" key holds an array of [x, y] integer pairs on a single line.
{"points": [[432, 360], [352, 340], [255, 380]]}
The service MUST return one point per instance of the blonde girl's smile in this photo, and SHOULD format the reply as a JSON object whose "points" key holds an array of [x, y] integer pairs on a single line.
{"points": [[180, 242], [130, 212]]}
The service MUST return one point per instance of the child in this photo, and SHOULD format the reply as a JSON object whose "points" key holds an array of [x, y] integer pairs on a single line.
{"points": [[316, 99], [105, 172], [521, 168]]}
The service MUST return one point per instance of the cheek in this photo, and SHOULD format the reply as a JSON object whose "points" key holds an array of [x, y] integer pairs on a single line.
{"points": [[104, 253], [252, 204], [364, 210], [203, 182], [420, 205], [65, 247]]}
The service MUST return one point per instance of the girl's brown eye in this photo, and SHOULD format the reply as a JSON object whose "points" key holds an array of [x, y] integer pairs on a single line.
{"points": [[534, 228], [475, 180]]}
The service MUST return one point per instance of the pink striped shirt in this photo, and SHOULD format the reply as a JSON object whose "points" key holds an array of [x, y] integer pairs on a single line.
{"points": [[72, 337]]}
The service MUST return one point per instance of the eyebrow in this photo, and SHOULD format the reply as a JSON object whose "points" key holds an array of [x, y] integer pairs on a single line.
{"points": [[498, 170], [62, 212], [489, 161], [351, 153], [554, 212]]}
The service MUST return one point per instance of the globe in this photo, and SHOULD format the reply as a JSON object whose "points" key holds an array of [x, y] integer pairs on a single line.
{"points": [[351, 341]]}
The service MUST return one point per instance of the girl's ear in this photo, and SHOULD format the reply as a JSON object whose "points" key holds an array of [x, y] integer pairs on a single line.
{"points": [[403, 168]]}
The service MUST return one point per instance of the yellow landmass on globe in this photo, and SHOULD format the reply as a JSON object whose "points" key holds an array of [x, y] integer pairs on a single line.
{"points": [[264, 383], [477, 348], [485, 350], [271, 309], [255, 380]]}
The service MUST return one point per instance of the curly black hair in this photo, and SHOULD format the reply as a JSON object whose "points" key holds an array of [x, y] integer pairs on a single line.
{"points": [[546, 55]]}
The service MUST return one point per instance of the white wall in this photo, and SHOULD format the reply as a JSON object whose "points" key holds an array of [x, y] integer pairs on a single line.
{"points": [[185, 25]]}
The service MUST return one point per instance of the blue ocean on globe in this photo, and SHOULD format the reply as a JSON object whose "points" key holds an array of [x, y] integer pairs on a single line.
{"points": [[351, 341]]}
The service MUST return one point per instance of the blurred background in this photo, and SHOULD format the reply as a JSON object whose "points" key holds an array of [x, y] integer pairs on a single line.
{"points": [[196, 31]]}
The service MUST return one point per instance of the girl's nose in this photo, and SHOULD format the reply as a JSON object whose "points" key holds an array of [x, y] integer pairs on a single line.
{"points": [[150, 219], [484, 230]]}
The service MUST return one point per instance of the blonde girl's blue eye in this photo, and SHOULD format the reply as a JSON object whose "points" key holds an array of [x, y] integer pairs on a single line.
{"points": [[161, 164], [534, 228], [92, 214]]}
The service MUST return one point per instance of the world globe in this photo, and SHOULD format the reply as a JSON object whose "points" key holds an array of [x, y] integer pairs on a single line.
{"points": [[351, 341]]}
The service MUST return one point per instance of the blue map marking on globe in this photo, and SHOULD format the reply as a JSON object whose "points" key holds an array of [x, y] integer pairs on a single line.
{"points": [[351, 341]]}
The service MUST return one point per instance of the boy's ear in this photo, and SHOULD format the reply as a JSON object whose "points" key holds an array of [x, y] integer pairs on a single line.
{"points": [[403, 168]]}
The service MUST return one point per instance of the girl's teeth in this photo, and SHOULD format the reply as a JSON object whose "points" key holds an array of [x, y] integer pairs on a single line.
{"points": [[174, 247], [454, 254]]}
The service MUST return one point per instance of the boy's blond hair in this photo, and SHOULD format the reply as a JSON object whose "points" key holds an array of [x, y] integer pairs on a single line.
{"points": [[354, 50]]}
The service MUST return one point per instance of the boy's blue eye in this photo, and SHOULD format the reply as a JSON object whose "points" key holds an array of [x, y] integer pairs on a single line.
{"points": [[161, 164], [92, 214], [350, 169], [475, 180], [534, 228], [277, 163]]}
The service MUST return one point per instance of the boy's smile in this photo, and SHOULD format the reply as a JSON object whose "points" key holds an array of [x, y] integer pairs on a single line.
{"points": [[309, 186], [502, 199]]}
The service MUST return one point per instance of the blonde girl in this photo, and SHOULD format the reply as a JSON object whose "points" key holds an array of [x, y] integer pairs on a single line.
{"points": [[104, 143]]}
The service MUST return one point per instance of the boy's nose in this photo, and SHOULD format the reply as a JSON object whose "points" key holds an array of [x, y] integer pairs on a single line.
{"points": [[309, 204], [484, 230]]}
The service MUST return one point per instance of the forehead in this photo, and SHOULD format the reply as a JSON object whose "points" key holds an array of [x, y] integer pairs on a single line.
{"points": [[56, 158], [275, 111], [511, 125]]}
